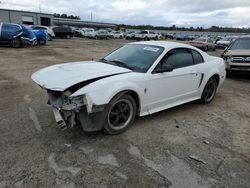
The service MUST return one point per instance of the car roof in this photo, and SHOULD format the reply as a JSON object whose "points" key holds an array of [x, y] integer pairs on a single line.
{"points": [[165, 44]]}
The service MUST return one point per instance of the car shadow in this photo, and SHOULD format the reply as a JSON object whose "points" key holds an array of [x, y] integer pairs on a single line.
{"points": [[239, 75]]}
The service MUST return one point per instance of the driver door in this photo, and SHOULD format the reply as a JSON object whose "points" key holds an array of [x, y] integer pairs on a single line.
{"points": [[169, 89]]}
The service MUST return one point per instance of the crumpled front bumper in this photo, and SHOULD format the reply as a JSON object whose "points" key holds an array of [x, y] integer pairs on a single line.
{"points": [[89, 122], [89, 115]]}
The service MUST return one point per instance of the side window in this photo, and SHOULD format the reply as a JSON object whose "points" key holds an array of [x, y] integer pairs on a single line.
{"points": [[179, 58], [10, 30], [197, 57]]}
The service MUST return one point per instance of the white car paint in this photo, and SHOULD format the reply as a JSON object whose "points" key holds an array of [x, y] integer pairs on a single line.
{"points": [[146, 34], [60, 77], [156, 92], [117, 35]]}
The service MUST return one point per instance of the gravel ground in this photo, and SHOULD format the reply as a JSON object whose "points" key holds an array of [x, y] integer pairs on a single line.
{"points": [[154, 152]]}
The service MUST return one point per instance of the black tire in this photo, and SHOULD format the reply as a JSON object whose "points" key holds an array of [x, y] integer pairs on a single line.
{"points": [[16, 43], [209, 91], [95, 37], [44, 42], [120, 107]]}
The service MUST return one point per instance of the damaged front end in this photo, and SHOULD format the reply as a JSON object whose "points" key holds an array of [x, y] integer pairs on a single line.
{"points": [[70, 111]]}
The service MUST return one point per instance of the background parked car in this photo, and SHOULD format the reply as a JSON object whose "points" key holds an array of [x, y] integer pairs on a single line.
{"points": [[225, 42], [63, 32], [168, 36], [182, 37], [100, 34], [237, 55], [88, 31], [130, 35], [117, 35], [42, 36], [50, 32], [204, 43], [78, 32], [146, 35], [16, 35]]}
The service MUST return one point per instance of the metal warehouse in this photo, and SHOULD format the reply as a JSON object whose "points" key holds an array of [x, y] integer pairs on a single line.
{"points": [[25, 17], [38, 18]]}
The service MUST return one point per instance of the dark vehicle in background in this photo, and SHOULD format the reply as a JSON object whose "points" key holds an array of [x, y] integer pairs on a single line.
{"points": [[237, 55], [182, 37], [16, 35], [168, 36], [63, 32], [204, 43], [42, 36]]}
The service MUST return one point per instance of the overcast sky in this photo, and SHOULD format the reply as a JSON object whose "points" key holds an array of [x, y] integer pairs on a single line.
{"points": [[232, 13]]}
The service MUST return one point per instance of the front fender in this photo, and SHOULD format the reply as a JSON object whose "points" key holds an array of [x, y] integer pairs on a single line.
{"points": [[100, 93], [103, 95]]}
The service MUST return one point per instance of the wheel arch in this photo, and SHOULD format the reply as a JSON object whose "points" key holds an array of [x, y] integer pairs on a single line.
{"points": [[133, 94], [217, 78]]}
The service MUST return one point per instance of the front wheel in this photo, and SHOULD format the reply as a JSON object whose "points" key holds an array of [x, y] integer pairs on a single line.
{"points": [[209, 91], [16, 43], [121, 113]]}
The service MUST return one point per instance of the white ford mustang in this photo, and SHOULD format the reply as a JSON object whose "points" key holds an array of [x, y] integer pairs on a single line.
{"points": [[137, 79]]}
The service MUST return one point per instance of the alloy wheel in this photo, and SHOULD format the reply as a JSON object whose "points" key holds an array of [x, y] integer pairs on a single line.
{"points": [[120, 114]]}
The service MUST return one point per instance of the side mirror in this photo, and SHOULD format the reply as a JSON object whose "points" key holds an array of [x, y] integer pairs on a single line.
{"points": [[165, 68]]}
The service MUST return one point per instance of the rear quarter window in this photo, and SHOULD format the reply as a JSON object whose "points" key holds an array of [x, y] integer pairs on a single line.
{"points": [[197, 57]]}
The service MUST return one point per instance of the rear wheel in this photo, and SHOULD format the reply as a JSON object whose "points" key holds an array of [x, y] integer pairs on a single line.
{"points": [[16, 43], [121, 113], [209, 91]]}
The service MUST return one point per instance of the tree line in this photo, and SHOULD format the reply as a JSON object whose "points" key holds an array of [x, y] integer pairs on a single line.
{"points": [[175, 28], [56, 15]]}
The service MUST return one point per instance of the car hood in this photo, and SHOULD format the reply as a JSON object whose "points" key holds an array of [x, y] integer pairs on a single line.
{"points": [[238, 53], [63, 76]]}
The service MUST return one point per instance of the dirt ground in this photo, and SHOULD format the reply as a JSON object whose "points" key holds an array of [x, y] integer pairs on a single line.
{"points": [[154, 152]]}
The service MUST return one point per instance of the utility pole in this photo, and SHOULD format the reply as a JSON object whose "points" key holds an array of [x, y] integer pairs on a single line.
{"points": [[40, 8], [91, 17]]}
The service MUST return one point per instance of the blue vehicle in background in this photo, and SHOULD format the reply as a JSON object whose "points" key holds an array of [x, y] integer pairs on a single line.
{"points": [[42, 36], [16, 35]]}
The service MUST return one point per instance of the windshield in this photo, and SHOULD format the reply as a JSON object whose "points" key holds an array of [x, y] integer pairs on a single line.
{"points": [[138, 57], [241, 44]]}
